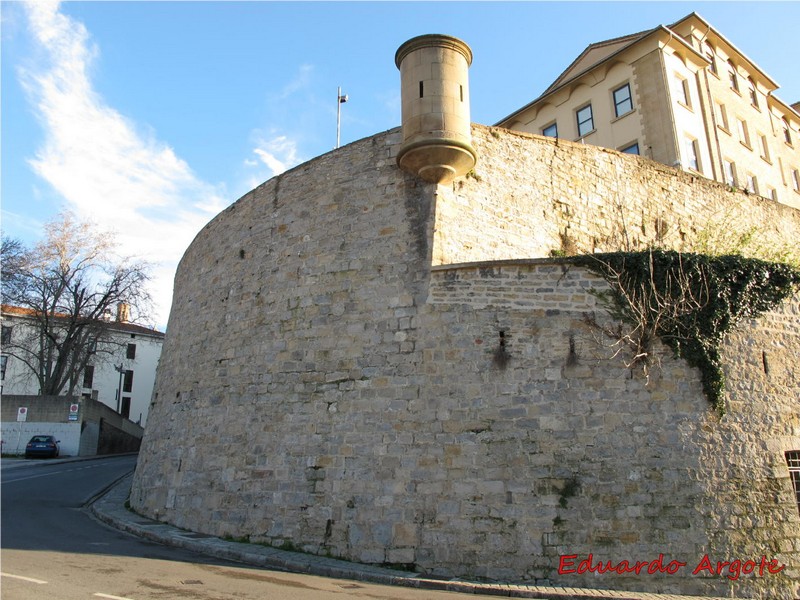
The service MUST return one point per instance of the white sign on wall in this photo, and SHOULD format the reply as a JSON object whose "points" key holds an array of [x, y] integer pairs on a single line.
{"points": [[73, 412], [22, 413]]}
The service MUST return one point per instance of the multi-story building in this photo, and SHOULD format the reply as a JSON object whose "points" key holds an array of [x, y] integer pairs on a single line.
{"points": [[122, 376], [682, 95]]}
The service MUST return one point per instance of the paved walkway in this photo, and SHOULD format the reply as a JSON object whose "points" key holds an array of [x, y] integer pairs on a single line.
{"points": [[110, 508]]}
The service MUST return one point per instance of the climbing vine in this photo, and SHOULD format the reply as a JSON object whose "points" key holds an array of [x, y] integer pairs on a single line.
{"points": [[689, 301]]}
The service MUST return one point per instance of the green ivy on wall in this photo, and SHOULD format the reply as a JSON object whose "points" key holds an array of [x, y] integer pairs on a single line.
{"points": [[689, 301]]}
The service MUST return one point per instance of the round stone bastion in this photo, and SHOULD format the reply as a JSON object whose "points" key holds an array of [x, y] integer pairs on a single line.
{"points": [[363, 365]]}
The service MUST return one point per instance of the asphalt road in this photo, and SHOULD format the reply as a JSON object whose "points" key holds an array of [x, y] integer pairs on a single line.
{"points": [[51, 548]]}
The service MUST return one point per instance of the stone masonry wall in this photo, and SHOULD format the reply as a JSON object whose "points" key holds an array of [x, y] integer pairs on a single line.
{"points": [[532, 196], [619, 466], [323, 387]]}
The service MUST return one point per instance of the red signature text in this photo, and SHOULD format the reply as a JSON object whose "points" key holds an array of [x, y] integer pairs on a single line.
{"points": [[732, 569], [566, 564]]}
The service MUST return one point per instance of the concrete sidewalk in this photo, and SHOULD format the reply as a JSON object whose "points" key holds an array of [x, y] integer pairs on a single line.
{"points": [[110, 508]]}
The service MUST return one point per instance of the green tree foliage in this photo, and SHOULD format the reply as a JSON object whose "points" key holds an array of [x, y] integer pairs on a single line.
{"points": [[689, 301]]}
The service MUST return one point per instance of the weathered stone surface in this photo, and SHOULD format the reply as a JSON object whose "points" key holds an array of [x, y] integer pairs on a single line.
{"points": [[323, 386]]}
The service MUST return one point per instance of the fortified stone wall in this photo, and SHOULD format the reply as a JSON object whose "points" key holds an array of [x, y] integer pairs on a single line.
{"points": [[618, 466], [531, 196], [343, 396]]}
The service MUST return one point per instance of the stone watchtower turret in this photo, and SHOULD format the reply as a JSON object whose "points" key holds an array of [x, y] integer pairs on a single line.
{"points": [[437, 136]]}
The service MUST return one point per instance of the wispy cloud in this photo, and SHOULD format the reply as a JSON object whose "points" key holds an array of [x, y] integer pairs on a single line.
{"points": [[279, 153], [278, 148], [300, 82], [104, 166]]}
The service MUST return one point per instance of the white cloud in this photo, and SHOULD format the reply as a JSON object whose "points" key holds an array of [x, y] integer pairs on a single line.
{"points": [[274, 149], [104, 167], [278, 153]]}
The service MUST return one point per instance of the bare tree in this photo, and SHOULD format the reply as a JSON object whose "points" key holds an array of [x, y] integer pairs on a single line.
{"points": [[65, 290], [647, 301], [688, 301]]}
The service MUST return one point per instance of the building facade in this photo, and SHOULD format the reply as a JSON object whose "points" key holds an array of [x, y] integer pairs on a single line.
{"points": [[682, 95], [121, 376]]}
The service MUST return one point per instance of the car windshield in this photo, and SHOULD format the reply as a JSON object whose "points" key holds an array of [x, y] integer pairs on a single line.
{"points": [[40, 438]]}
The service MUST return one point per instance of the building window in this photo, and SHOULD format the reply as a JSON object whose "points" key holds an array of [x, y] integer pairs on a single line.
{"points": [[631, 149], [131, 351], [623, 101], [691, 154], [730, 174], [732, 77], [722, 117], [751, 88], [88, 376], [682, 89], [5, 335], [127, 383], [796, 180], [712, 58], [125, 407], [773, 193], [551, 131], [585, 120], [752, 184], [787, 133], [3, 363], [764, 148], [744, 135], [793, 462]]}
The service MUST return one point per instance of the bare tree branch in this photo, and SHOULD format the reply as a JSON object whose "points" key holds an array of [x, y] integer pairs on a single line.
{"points": [[68, 287]]}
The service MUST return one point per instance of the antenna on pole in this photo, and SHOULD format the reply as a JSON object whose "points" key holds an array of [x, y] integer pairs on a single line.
{"points": [[339, 101]]}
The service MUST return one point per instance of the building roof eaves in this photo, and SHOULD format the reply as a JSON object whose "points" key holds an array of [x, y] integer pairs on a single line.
{"points": [[793, 109], [730, 45], [564, 78], [560, 83], [124, 327], [134, 328]]}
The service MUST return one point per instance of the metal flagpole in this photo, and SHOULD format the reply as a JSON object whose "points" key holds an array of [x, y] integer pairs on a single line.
{"points": [[339, 101]]}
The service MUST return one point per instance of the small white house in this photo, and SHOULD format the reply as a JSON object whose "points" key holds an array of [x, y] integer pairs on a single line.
{"points": [[123, 380]]}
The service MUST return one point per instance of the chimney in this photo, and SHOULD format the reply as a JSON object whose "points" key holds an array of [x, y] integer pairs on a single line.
{"points": [[123, 312]]}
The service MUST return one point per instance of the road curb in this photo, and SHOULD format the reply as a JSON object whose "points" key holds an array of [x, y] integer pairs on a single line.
{"points": [[11, 463], [110, 507]]}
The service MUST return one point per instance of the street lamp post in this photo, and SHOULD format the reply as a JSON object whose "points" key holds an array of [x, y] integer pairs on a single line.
{"points": [[339, 101]]}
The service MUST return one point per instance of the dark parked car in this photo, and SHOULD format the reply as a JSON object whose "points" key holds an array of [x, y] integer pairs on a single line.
{"points": [[42, 445]]}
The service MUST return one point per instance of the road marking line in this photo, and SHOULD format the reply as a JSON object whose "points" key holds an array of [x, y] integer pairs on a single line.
{"points": [[110, 597], [5, 481], [28, 579]]}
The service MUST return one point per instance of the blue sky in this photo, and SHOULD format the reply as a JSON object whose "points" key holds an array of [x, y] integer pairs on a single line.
{"points": [[151, 117]]}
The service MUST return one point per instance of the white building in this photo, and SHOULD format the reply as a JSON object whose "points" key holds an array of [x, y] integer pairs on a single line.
{"points": [[682, 95], [122, 376]]}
